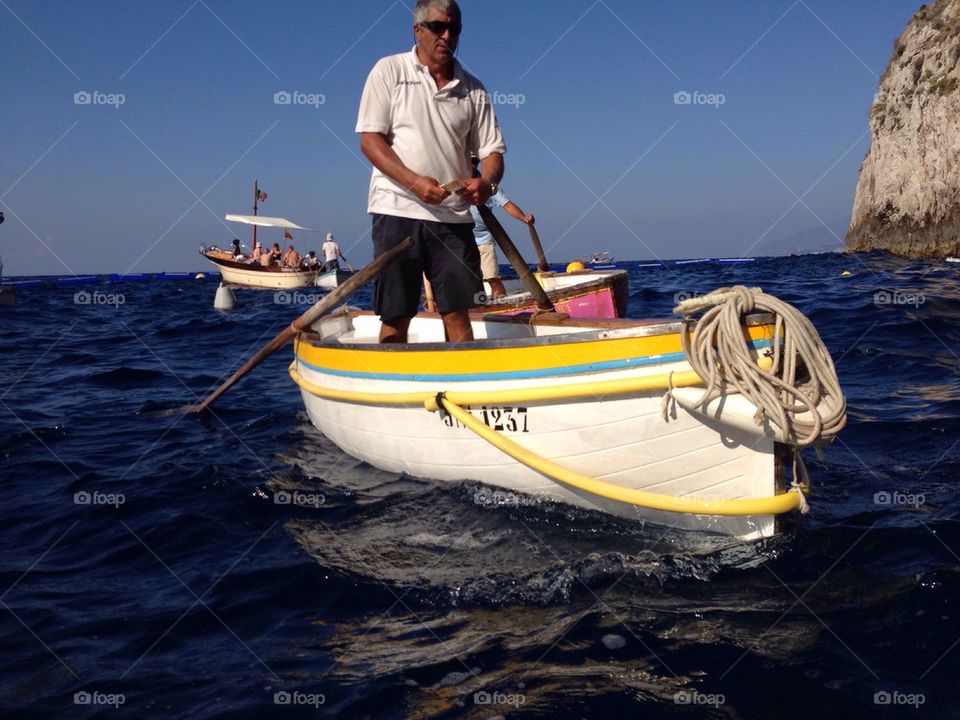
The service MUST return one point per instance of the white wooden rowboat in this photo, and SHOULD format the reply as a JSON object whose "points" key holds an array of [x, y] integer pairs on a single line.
{"points": [[584, 397]]}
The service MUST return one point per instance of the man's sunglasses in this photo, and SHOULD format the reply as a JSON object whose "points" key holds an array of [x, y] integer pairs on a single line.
{"points": [[439, 27]]}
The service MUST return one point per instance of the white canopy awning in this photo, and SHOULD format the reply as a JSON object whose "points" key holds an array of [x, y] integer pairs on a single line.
{"points": [[265, 221]]}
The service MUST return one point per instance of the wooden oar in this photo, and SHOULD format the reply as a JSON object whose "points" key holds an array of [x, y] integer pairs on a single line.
{"points": [[329, 302], [538, 248], [516, 259]]}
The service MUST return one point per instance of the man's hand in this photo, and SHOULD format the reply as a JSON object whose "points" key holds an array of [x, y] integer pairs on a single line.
{"points": [[475, 191], [529, 219], [429, 190]]}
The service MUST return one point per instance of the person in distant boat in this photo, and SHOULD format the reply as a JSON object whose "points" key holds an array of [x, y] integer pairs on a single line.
{"points": [[310, 261], [331, 254], [488, 248], [237, 252], [257, 253], [274, 256], [421, 116], [291, 258]]}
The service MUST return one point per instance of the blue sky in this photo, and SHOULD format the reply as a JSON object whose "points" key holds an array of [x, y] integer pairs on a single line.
{"points": [[598, 149]]}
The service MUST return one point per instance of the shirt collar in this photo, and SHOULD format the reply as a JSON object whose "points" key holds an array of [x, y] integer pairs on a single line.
{"points": [[458, 75]]}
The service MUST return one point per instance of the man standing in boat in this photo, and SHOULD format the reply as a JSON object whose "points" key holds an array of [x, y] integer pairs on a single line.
{"points": [[331, 253], [488, 248], [421, 117]]}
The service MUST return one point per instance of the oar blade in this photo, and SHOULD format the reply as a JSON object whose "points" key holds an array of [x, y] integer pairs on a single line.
{"points": [[331, 300]]}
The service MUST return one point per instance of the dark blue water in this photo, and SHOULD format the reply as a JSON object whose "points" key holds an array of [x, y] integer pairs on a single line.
{"points": [[146, 563]]}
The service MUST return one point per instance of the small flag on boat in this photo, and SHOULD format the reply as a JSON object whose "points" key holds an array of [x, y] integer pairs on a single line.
{"points": [[287, 235], [261, 196]]}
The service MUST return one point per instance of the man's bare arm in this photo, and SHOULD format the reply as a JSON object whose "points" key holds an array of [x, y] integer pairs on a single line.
{"points": [[491, 167], [513, 210], [379, 152]]}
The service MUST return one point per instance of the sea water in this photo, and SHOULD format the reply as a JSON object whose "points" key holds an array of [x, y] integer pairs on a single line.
{"points": [[238, 565]]}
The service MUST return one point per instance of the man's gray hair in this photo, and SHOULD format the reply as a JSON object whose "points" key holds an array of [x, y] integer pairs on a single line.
{"points": [[449, 7]]}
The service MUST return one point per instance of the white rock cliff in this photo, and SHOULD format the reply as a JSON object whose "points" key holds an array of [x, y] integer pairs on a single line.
{"points": [[908, 196]]}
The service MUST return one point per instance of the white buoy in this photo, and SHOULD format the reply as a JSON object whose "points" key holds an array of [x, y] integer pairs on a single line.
{"points": [[224, 299]]}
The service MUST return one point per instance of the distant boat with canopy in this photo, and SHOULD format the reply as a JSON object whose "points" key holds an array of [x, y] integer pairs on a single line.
{"points": [[240, 271]]}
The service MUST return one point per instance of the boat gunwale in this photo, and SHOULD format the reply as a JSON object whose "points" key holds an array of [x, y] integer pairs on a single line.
{"points": [[623, 329]]}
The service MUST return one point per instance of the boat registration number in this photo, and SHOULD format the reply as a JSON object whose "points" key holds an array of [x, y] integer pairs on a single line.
{"points": [[500, 419]]}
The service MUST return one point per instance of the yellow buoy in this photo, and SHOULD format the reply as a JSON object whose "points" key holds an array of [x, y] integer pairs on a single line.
{"points": [[200, 276], [846, 273], [576, 265]]}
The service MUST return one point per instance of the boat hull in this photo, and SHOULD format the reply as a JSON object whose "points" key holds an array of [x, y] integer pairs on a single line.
{"points": [[332, 278], [254, 276], [621, 440], [7, 295]]}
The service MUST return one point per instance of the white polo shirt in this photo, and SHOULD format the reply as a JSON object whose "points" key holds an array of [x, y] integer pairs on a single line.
{"points": [[432, 131]]}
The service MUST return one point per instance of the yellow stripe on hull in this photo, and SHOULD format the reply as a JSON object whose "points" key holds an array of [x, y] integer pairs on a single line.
{"points": [[411, 360]]}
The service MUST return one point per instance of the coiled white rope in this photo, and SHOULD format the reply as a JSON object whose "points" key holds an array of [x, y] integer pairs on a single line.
{"points": [[800, 394]]}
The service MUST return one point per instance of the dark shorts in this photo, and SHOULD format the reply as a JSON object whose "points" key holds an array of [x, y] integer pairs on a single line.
{"points": [[446, 252]]}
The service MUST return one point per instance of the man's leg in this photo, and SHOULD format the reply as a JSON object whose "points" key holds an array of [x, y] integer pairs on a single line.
{"points": [[491, 273], [394, 331], [457, 325], [454, 271], [429, 301], [396, 293]]}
